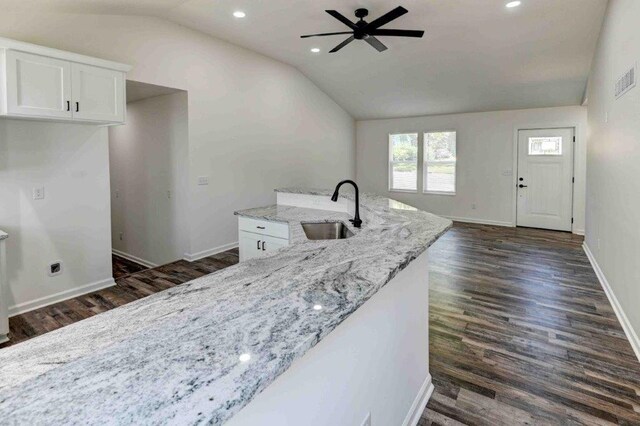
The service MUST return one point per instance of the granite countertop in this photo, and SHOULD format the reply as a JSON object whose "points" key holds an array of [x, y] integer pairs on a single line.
{"points": [[174, 356], [3, 235]]}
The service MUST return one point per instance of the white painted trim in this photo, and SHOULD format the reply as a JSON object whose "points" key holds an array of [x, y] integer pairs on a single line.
{"points": [[61, 54], [578, 231], [210, 252], [479, 221], [617, 308], [60, 297], [3, 338], [420, 403], [135, 259]]}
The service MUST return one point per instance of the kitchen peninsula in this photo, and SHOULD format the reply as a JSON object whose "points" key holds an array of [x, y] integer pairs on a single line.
{"points": [[286, 338]]}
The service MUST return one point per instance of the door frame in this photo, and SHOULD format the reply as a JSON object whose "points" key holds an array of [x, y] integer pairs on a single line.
{"points": [[577, 133]]}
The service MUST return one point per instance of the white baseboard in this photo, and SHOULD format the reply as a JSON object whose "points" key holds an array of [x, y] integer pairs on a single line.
{"points": [[617, 308], [210, 252], [3, 338], [134, 258], [59, 297], [419, 404], [578, 232], [479, 221]]}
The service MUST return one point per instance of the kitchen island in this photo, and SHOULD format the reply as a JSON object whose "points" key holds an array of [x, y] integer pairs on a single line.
{"points": [[200, 352]]}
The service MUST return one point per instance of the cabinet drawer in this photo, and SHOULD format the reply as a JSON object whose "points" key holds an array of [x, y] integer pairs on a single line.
{"points": [[264, 227]]}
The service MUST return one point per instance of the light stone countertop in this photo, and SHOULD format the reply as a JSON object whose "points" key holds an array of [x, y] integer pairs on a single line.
{"points": [[3, 235], [173, 357]]}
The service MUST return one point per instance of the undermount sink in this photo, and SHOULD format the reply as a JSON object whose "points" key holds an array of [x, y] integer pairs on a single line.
{"points": [[326, 231]]}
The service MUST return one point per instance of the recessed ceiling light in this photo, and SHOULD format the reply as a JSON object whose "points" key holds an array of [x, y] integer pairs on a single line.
{"points": [[513, 4], [315, 50], [239, 14]]}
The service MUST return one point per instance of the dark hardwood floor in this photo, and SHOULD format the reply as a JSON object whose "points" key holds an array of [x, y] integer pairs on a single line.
{"points": [[122, 267], [521, 331]]}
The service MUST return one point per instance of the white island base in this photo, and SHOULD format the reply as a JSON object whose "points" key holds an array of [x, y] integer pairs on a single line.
{"points": [[376, 363]]}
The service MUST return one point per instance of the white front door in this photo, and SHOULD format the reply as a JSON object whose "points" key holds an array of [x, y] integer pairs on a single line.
{"points": [[545, 178], [38, 85]]}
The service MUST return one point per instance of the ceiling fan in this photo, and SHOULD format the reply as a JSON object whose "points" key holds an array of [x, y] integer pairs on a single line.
{"points": [[361, 30]]}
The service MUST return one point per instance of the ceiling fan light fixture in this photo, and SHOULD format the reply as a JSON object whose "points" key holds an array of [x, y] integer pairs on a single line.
{"points": [[513, 4], [239, 14]]}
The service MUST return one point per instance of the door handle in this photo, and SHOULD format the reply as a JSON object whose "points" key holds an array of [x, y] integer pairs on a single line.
{"points": [[68, 105], [522, 186], [258, 244], [77, 106], [263, 246]]}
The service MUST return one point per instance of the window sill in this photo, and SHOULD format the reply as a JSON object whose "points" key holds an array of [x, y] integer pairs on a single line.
{"points": [[405, 191], [451, 194]]}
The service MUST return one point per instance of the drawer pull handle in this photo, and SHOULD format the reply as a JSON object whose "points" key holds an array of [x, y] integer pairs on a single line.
{"points": [[77, 106], [260, 227], [68, 106], [263, 246], [258, 244]]}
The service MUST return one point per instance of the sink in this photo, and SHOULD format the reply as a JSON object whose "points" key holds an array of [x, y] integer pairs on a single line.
{"points": [[326, 231]]}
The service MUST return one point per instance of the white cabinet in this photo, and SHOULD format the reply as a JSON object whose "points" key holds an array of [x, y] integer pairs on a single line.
{"points": [[47, 84], [38, 85], [98, 93], [4, 320], [258, 238]]}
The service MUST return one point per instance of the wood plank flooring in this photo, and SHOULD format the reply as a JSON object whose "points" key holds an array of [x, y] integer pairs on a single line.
{"points": [[521, 331], [122, 267]]}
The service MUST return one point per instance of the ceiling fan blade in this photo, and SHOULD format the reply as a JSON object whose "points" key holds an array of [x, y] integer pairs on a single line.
{"points": [[342, 19], [397, 33], [326, 34], [377, 44], [343, 44], [386, 18]]}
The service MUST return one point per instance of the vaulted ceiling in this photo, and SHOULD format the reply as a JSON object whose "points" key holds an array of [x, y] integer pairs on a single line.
{"points": [[476, 55]]}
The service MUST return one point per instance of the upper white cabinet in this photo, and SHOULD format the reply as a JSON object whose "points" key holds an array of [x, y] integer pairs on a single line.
{"points": [[98, 93], [38, 85], [48, 84]]}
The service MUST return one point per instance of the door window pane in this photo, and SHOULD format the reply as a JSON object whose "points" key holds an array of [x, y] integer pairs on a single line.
{"points": [[545, 146], [440, 162], [403, 162]]}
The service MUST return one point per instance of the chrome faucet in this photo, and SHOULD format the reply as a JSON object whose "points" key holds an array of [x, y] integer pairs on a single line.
{"points": [[356, 220]]}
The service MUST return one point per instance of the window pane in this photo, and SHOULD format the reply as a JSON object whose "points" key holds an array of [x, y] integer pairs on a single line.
{"points": [[545, 146], [403, 161], [404, 176], [404, 147], [440, 162]]}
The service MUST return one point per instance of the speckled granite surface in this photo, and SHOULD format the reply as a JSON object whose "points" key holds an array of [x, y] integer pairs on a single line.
{"points": [[3, 235], [173, 357]]}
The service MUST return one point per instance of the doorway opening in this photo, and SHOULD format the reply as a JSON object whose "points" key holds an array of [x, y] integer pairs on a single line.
{"points": [[148, 159], [545, 178]]}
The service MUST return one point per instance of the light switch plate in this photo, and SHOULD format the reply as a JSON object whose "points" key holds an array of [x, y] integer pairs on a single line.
{"points": [[203, 180]]}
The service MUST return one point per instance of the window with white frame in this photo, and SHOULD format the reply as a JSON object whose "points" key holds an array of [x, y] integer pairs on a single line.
{"points": [[403, 162], [439, 167]]}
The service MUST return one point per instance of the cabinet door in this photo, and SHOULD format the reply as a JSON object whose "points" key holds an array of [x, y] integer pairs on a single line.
{"points": [[250, 245], [38, 86], [98, 94], [271, 244]]}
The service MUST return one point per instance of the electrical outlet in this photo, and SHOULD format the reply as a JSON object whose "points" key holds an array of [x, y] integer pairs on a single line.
{"points": [[38, 193], [203, 180], [473, 206], [55, 268], [121, 235], [367, 420], [169, 194], [117, 194]]}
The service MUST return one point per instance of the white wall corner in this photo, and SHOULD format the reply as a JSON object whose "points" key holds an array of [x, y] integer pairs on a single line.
{"points": [[420, 403], [617, 308]]}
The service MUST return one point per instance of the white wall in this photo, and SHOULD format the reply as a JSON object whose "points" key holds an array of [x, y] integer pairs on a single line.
{"points": [[485, 168], [254, 124], [148, 158], [72, 223], [613, 162]]}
